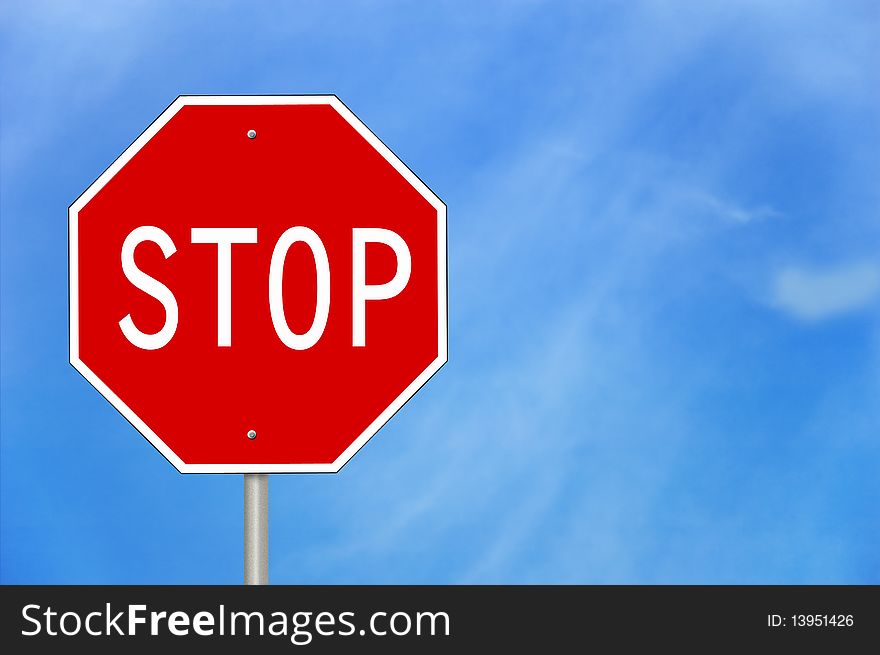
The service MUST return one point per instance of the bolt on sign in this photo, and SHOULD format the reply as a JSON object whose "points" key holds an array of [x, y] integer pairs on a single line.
{"points": [[257, 284]]}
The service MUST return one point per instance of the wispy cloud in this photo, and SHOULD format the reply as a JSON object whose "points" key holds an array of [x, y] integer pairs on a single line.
{"points": [[734, 213], [72, 55], [560, 424], [816, 294]]}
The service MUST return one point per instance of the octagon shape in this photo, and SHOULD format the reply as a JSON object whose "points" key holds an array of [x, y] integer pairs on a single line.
{"points": [[267, 162]]}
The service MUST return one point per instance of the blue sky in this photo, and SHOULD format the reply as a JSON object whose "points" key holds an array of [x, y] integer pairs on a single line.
{"points": [[664, 293]]}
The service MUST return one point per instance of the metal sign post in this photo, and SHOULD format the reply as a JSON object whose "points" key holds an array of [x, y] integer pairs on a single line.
{"points": [[176, 191], [256, 529]]}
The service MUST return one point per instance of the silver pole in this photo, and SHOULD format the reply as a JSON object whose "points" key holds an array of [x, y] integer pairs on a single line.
{"points": [[256, 528]]}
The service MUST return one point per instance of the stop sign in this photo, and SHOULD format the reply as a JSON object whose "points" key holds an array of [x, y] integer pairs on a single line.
{"points": [[257, 284]]}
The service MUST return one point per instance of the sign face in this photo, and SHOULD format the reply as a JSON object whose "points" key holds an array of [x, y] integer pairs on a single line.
{"points": [[257, 284]]}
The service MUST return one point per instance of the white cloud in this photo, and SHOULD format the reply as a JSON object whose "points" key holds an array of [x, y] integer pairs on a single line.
{"points": [[577, 431], [734, 213], [818, 294]]}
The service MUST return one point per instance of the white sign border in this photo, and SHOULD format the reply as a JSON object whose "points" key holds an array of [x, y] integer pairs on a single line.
{"points": [[390, 157]]}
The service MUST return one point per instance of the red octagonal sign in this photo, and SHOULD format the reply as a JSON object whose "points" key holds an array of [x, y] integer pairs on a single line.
{"points": [[257, 284]]}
